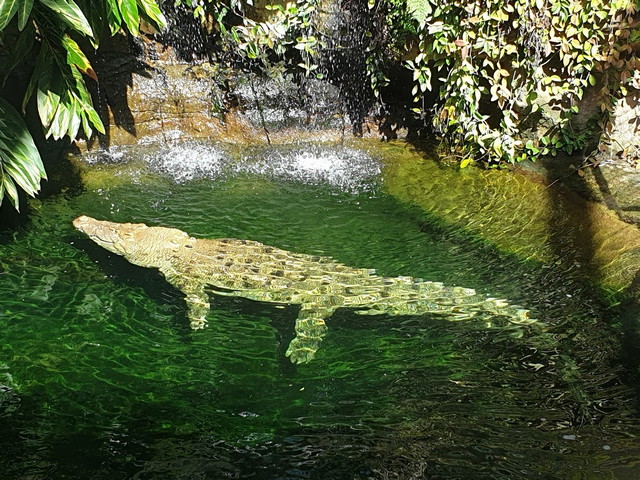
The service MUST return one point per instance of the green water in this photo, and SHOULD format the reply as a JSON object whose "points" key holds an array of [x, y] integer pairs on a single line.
{"points": [[102, 378]]}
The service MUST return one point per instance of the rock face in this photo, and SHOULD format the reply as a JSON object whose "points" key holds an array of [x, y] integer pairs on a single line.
{"points": [[147, 93], [626, 127], [619, 176], [620, 187]]}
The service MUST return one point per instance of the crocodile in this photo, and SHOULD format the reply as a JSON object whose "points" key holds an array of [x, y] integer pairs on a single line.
{"points": [[250, 269]]}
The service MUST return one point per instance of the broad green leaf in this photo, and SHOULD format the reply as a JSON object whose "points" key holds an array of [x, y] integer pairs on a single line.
{"points": [[10, 188], [76, 57], [65, 119], [24, 11], [151, 10], [20, 161], [129, 12], [94, 118], [58, 127], [70, 14], [114, 19], [20, 175], [8, 9], [85, 105], [73, 125], [51, 88], [62, 122], [86, 127], [20, 153]]}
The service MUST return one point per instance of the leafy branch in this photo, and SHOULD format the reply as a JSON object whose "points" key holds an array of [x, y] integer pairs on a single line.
{"points": [[503, 62], [50, 30]]}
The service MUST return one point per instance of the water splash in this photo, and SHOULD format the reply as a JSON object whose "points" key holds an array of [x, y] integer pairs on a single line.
{"points": [[342, 167], [345, 168], [184, 162]]}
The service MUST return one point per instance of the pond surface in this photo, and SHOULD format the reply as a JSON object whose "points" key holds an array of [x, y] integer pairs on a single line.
{"points": [[101, 377]]}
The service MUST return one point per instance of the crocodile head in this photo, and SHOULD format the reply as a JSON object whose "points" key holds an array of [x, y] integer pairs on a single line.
{"points": [[138, 243]]}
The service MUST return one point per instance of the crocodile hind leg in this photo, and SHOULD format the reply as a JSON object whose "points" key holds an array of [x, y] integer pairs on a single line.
{"points": [[310, 330], [198, 307]]}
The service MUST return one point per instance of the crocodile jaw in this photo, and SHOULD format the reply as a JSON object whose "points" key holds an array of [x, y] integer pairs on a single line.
{"points": [[104, 233]]}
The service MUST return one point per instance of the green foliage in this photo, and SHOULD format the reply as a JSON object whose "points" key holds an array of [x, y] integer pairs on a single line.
{"points": [[420, 10], [502, 68], [503, 62], [49, 31], [289, 35], [20, 162]]}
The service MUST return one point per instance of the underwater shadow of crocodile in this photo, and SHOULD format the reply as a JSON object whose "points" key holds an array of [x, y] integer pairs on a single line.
{"points": [[249, 269]]}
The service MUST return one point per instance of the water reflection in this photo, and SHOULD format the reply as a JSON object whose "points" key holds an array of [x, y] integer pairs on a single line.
{"points": [[109, 382]]}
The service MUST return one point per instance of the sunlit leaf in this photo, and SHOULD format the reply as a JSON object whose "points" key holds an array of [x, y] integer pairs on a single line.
{"points": [[114, 20], [466, 162], [75, 120], [24, 11], [75, 56], [9, 189], [48, 102], [8, 9], [419, 9], [70, 14], [129, 13], [151, 10], [84, 106], [20, 161]]}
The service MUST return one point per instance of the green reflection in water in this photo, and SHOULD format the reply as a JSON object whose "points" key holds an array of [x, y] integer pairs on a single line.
{"points": [[523, 214], [103, 378]]}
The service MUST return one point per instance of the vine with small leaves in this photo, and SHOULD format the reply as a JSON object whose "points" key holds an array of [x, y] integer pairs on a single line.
{"points": [[289, 28], [504, 62]]}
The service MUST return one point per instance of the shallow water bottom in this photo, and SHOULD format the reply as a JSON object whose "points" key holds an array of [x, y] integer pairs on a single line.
{"points": [[102, 377]]}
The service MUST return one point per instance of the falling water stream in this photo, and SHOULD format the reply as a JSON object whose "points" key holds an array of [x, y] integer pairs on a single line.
{"points": [[102, 378]]}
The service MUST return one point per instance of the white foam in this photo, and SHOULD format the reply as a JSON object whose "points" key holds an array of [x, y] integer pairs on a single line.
{"points": [[184, 162], [346, 168], [342, 167]]}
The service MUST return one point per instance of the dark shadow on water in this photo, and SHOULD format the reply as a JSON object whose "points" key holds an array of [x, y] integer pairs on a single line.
{"points": [[148, 279], [571, 236], [629, 318]]}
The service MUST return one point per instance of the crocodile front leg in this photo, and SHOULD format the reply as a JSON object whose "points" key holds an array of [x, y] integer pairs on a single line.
{"points": [[195, 296], [310, 330]]}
